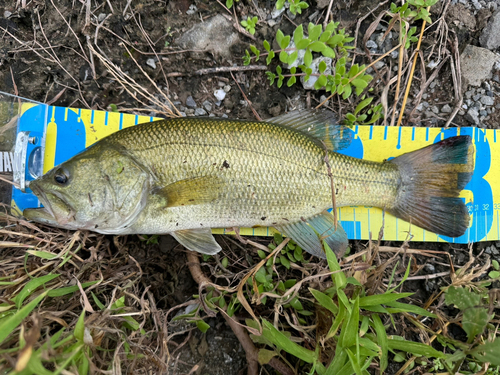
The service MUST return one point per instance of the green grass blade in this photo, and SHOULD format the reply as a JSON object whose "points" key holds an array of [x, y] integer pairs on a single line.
{"points": [[42, 254], [414, 348], [12, 322], [382, 341], [397, 307], [325, 301], [354, 362], [351, 331], [30, 287], [69, 289], [284, 343], [338, 278], [381, 299], [338, 362]]}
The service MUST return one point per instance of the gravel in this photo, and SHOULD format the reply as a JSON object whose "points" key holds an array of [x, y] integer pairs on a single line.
{"points": [[190, 102]]}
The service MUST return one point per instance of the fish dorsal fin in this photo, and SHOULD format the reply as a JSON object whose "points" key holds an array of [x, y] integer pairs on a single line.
{"points": [[309, 234], [191, 191], [200, 240], [320, 125]]}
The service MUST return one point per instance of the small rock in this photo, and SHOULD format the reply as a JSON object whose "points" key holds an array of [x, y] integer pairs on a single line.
{"points": [[469, 94], [476, 97], [435, 109], [432, 64], [488, 250], [379, 64], [227, 88], [483, 113], [216, 35], [300, 56], [371, 45], [101, 17], [192, 9], [7, 14], [309, 85], [395, 54], [190, 102], [224, 115], [322, 3], [476, 64], [486, 86], [476, 4], [227, 358], [271, 23], [190, 111], [200, 112], [207, 105], [487, 100], [290, 15], [472, 116], [430, 268], [313, 16], [433, 84], [277, 12], [151, 63], [211, 115], [183, 114], [446, 108], [490, 37]]}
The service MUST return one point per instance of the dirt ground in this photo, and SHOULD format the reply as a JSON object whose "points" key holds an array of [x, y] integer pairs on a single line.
{"points": [[45, 55]]}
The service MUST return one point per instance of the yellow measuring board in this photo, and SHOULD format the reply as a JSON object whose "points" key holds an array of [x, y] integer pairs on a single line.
{"points": [[68, 131]]}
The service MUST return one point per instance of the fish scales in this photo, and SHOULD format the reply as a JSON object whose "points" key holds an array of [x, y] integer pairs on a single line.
{"points": [[272, 174]]}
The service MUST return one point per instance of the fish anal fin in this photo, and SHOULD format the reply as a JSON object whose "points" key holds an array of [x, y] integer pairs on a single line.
{"points": [[191, 191], [310, 233], [200, 240], [320, 125]]}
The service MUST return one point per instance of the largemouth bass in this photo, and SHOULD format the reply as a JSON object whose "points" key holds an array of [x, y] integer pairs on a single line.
{"points": [[184, 176]]}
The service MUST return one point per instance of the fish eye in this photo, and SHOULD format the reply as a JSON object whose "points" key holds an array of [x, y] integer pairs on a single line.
{"points": [[61, 176]]}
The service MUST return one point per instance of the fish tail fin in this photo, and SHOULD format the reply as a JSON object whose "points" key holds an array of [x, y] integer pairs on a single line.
{"points": [[430, 183]]}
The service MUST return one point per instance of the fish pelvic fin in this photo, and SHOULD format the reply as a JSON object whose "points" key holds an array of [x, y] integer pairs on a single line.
{"points": [[310, 233], [430, 183], [200, 240]]}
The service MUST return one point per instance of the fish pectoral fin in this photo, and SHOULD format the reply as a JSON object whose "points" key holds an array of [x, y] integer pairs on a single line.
{"points": [[191, 191], [200, 240], [311, 233]]}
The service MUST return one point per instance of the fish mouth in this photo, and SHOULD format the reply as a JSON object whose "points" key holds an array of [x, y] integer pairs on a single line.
{"points": [[55, 210]]}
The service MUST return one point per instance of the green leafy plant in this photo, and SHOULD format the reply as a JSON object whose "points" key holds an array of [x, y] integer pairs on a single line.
{"points": [[250, 24], [355, 328], [334, 72], [367, 118], [476, 317], [296, 6]]}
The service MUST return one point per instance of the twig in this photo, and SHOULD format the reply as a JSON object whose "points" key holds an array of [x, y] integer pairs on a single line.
{"points": [[251, 352], [220, 69], [360, 72], [325, 22], [332, 186], [248, 101], [457, 80], [408, 86]]}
